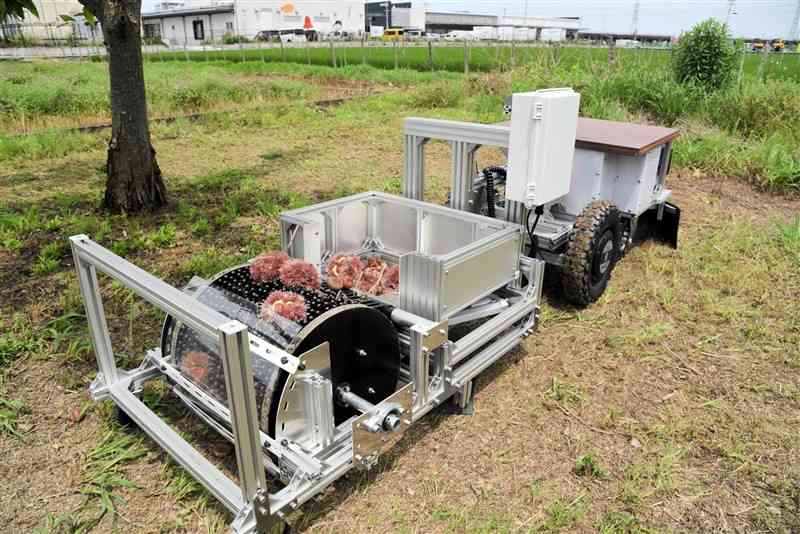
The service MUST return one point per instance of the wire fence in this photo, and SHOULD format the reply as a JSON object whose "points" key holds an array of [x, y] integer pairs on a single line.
{"points": [[79, 41]]}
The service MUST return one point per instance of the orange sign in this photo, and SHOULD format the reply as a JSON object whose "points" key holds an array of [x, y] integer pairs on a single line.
{"points": [[287, 8]]}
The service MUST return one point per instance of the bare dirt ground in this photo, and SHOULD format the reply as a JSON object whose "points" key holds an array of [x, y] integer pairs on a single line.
{"points": [[680, 385]]}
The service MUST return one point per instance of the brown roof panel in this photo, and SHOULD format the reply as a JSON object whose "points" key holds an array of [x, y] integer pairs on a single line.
{"points": [[621, 137]]}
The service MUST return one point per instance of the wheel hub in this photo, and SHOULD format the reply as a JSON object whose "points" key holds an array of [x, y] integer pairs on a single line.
{"points": [[603, 255]]}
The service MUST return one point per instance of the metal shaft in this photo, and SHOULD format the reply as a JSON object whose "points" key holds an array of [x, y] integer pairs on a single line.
{"points": [[390, 422], [349, 398]]}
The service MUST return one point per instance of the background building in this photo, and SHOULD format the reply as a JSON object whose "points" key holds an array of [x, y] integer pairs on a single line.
{"points": [[193, 23], [48, 25], [414, 16]]}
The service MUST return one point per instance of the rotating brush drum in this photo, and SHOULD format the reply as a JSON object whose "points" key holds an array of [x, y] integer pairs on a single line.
{"points": [[287, 303]]}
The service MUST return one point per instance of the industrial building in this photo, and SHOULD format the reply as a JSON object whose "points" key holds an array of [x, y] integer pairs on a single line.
{"points": [[195, 23], [380, 15], [48, 25]]}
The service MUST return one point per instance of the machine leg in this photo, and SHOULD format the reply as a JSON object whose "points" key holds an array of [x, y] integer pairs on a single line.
{"points": [[414, 172], [465, 399], [463, 162]]}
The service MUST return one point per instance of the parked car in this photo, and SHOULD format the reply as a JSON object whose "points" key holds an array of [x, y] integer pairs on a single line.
{"points": [[459, 35], [294, 35], [393, 34]]}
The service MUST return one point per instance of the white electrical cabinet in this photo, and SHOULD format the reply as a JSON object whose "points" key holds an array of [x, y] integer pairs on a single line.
{"points": [[541, 145]]}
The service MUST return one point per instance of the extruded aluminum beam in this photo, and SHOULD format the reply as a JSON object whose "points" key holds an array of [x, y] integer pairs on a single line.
{"points": [[468, 132], [234, 346], [157, 292], [238, 365], [223, 488]]}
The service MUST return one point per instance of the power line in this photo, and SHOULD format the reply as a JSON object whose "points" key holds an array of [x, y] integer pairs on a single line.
{"points": [[731, 9]]}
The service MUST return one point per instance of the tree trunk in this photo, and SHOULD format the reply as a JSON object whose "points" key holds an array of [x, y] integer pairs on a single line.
{"points": [[134, 178]]}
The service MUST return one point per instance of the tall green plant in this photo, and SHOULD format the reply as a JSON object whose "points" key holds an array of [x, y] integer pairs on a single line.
{"points": [[16, 9], [707, 56]]}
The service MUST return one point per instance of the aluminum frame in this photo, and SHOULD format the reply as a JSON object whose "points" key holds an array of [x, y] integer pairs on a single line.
{"points": [[437, 279], [465, 139], [439, 369]]}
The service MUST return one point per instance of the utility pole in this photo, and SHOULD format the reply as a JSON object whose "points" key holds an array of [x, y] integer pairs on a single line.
{"points": [[635, 21], [794, 31], [731, 9]]}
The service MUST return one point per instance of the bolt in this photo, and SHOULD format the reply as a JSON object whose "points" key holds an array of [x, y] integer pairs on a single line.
{"points": [[284, 360], [362, 352], [285, 442], [371, 391], [302, 366]]}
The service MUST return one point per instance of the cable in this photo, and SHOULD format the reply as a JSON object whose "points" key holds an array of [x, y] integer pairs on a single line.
{"points": [[490, 174], [534, 246]]}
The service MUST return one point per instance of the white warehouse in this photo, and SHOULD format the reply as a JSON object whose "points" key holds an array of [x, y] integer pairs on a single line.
{"points": [[195, 23]]}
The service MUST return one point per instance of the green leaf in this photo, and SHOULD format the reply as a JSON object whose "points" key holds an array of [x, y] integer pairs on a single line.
{"points": [[91, 20], [17, 8]]}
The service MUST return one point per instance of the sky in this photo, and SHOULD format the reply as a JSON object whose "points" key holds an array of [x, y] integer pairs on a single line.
{"points": [[750, 18]]}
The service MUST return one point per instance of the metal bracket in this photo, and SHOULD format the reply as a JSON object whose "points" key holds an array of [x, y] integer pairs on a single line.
{"points": [[434, 337], [264, 520], [274, 355], [305, 416], [370, 440]]}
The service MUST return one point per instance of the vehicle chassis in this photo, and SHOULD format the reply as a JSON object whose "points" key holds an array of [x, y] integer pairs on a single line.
{"points": [[438, 369]]}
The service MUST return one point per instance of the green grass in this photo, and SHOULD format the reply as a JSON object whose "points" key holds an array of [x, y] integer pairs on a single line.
{"points": [[789, 237], [562, 515], [451, 58], [102, 481], [588, 465], [67, 89], [10, 410], [748, 131], [621, 523], [565, 393]]}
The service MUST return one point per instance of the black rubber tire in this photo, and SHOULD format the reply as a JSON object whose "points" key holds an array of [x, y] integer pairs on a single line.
{"points": [[588, 261]]}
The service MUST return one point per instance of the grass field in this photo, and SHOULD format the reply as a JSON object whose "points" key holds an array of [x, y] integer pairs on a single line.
{"points": [[484, 58], [671, 405]]}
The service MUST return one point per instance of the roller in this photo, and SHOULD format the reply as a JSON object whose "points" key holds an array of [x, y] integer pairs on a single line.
{"points": [[364, 350]]}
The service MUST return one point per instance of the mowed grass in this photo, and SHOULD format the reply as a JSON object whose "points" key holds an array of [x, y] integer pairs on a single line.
{"points": [[749, 130], [666, 406]]}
